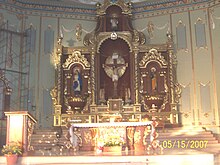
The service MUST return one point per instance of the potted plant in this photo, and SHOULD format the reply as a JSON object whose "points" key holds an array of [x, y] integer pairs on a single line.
{"points": [[11, 152]]}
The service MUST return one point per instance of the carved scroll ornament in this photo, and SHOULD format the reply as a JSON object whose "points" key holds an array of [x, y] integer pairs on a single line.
{"points": [[153, 55], [76, 57]]}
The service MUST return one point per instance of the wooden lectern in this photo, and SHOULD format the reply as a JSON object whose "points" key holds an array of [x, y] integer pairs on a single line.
{"points": [[20, 125]]}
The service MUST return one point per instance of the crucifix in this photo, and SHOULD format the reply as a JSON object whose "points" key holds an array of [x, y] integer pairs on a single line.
{"points": [[115, 67]]}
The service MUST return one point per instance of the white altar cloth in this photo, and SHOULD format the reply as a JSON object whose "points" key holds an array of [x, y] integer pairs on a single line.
{"points": [[111, 124], [91, 134]]}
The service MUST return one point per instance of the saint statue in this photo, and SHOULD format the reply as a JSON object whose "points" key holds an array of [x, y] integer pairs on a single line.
{"points": [[127, 96], [114, 24], [115, 76], [153, 79], [102, 96], [78, 32], [150, 29], [77, 81]]}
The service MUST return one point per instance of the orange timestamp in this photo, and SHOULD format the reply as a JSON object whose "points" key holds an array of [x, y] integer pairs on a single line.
{"points": [[184, 144]]}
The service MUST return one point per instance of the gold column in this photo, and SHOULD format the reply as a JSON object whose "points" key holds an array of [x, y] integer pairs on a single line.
{"points": [[136, 101], [172, 61], [93, 77], [57, 89], [59, 54]]}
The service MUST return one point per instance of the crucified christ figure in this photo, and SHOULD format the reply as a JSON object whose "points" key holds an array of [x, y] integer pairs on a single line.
{"points": [[115, 77], [115, 67]]}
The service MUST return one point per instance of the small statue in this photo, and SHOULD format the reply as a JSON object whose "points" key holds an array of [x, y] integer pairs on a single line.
{"points": [[127, 96], [114, 24], [78, 32], [153, 79], [150, 29]]}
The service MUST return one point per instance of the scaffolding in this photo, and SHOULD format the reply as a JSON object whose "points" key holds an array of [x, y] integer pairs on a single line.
{"points": [[15, 55]]}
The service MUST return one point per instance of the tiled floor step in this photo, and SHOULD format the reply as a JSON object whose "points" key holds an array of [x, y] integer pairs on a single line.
{"points": [[188, 138], [47, 139], [194, 138]]}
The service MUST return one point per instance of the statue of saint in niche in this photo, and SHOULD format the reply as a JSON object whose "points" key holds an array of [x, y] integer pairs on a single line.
{"points": [[77, 81], [114, 24], [153, 79]]}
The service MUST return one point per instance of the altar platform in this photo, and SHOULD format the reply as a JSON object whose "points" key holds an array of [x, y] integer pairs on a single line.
{"points": [[176, 155], [189, 157]]}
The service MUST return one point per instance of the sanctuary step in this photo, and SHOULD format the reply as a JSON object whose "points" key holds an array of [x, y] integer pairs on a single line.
{"points": [[49, 140], [181, 139], [188, 138]]}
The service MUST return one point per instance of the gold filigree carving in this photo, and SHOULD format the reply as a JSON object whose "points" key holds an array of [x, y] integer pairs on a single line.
{"points": [[30, 130], [126, 36], [137, 136], [55, 57], [77, 99], [153, 55], [130, 134], [94, 134], [178, 92], [89, 39], [138, 37], [53, 94], [87, 137], [76, 57], [146, 133], [125, 7], [57, 109]]}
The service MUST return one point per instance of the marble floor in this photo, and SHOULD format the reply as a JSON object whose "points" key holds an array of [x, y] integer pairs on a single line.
{"points": [[189, 157]]}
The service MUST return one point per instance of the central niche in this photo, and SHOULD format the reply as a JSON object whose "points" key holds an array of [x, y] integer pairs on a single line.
{"points": [[114, 69]]}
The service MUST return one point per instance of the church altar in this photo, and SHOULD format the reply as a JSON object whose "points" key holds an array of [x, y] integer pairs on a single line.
{"points": [[133, 135], [115, 71]]}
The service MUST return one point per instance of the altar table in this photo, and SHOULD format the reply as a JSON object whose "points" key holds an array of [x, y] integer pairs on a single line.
{"points": [[136, 135]]}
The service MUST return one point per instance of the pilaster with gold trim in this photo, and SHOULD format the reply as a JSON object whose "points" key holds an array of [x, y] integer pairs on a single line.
{"points": [[55, 92], [174, 86]]}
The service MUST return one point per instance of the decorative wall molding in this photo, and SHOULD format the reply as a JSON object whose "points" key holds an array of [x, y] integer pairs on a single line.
{"points": [[49, 10], [88, 12], [213, 17], [171, 8]]}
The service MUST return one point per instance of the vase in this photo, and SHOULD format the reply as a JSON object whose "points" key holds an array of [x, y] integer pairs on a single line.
{"points": [[112, 149], [11, 159]]}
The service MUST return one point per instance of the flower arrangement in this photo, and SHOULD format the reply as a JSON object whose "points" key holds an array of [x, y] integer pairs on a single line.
{"points": [[12, 148], [113, 141]]}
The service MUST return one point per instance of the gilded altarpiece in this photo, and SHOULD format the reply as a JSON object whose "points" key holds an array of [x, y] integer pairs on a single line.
{"points": [[115, 76]]}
